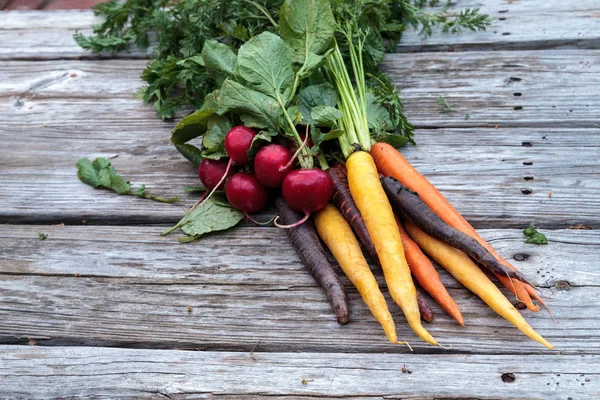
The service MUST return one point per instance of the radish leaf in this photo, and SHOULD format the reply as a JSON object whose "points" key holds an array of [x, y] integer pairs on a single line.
{"points": [[308, 26], [209, 217], [257, 109], [101, 174], [265, 62], [219, 59]]}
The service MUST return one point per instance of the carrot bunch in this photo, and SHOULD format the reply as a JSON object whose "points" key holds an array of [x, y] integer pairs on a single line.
{"points": [[371, 206], [366, 204]]}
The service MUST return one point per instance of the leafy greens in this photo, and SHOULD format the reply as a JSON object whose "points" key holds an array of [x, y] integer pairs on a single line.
{"points": [[177, 76]]}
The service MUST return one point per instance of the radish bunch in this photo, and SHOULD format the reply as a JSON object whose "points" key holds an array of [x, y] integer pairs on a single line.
{"points": [[305, 190]]}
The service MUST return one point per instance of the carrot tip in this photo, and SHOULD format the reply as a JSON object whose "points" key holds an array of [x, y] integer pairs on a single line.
{"points": [[406, 343], [447, 347]]}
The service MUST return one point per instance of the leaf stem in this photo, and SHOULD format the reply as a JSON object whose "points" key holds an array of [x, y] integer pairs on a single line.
{"points": [[151, 196], [306, 160], [264, 11]]}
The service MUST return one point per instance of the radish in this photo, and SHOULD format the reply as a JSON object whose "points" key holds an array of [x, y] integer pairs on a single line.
{"points": [[306, 190], [272, 164], [237, 143], [211, 172], [244, 193]]}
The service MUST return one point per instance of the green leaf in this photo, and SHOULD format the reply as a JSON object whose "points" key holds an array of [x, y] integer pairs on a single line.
{"points": [[217, 128], [312, 63], [261, 139], [87, 173], [219, 59], [257, 109], [378, 116], [140, 192], [325, 115], [42, 236], [333, 134], [265, 62], [191, 152], [396, 140], [191, 126], [533, 236], [209, 217], [308, 26], [313, 96], [194, 189], [100, 173]]}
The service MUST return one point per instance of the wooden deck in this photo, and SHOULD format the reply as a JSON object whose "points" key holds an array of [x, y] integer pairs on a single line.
{"points": [[101, 309]]}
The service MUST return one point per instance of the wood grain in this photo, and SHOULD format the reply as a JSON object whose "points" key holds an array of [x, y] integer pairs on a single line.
{"points": [[128, 287], [48, 373], [517, 25], [61, 111]]}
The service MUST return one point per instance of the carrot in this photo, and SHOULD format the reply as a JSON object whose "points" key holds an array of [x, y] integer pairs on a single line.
{"points": [[466, 272], [391, 163], [305, 241], [408, 203], [375, 209], [342, 199], [337, 234], [427, 276]]}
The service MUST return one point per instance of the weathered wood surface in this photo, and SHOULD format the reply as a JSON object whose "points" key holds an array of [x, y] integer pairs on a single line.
{"points": [[29, 372], [46, 105], [518, 25], [531, 24], [532, 114], [129, 287]]}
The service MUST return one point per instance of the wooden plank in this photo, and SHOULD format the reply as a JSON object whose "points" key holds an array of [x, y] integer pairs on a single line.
{"points": [[129, 287], [518, 25], [43, 35], [553, 88], [64, 372], [49, 108], [532, 24]]}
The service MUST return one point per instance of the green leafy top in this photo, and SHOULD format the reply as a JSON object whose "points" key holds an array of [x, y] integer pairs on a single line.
{"points": [[178, 77]]}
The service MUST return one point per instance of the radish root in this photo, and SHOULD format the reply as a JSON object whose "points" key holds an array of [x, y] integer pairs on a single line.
{"points": [[295, 224]]}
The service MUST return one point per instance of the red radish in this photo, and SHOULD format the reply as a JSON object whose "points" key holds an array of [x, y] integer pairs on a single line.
{"points": [[237, 143], [272, 164], [306, 190], [244, 193], [211, 172]]}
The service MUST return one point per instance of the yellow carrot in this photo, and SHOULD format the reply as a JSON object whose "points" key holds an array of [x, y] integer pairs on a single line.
{"points": [[339, 238], [466, 272], [377, 213]]}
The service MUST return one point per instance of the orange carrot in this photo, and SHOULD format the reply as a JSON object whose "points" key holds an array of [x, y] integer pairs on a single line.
{"points": [[391, 163], [427, 276]]}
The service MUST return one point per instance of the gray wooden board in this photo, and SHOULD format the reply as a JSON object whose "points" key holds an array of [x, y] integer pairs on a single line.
{"points": [[127, 286], [531, 24], [518, 24], [68, 372], [483, 174]]}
